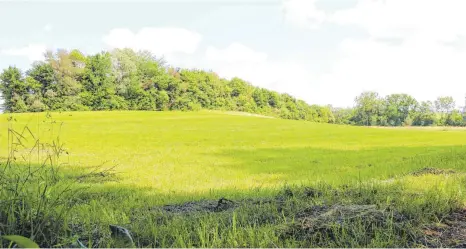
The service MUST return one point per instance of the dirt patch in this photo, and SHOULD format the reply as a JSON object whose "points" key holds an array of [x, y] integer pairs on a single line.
{"points": [[342, 224], [201, 206], [325, 222], [247, 114], [321, 222], [450, 232], [432, 171], [224, 204]]}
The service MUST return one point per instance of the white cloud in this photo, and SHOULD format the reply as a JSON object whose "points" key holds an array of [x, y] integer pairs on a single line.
{"points": [[160, 41], [430, 19], [419, 63], [238, 60], [424, 70], [33, 52], [235, 53], [48, 27], [303, 13]]}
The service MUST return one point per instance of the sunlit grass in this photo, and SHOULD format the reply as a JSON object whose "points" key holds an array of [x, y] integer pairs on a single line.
{"points": [[175, 157], [195, 152]]}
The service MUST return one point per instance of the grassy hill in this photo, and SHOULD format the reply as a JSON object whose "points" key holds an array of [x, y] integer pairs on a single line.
{"points": [[162, 158], [199, 151]]}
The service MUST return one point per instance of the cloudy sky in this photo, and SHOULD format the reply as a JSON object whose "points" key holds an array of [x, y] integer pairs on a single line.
{"points": [[322, 51]]}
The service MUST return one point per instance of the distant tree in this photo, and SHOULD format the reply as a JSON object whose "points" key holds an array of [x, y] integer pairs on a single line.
{"points": [[444, 105], [454, 118], [368, 107], [124, 79], [326, 114], [398, 107], [238, 87], [14, 90], [98, 84], [260, 97], [343, 115], [425, 114], [44, 74], [66, 73], [125, 70]]}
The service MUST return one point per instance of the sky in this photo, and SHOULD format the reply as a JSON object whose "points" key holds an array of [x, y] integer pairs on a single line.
{"points": [[321, 51]]}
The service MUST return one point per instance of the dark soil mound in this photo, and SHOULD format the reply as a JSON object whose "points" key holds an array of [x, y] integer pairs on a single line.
{"points": [[201, 206], [321, 223], [432, 171], [449, 232]]}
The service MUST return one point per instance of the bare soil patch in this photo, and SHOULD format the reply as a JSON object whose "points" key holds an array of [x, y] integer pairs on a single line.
{"points": [[432, 171], [247, 114], [201, 206], [324, 223], [449, 232]]}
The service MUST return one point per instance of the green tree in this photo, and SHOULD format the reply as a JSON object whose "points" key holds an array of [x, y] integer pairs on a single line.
{"points": [[124, 79], [368, 108], [98, 83], [66, 73], [398, 107], [425, 114], [43, 73], [260, 96], [14, 90], [454, 118], [343, 115], [444, 105]]}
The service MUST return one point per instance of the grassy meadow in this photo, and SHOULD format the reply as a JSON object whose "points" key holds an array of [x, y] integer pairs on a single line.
{"points": [[274, 170]]}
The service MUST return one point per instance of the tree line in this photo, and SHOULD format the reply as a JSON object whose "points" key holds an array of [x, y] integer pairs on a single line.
{"points": [[123, 79], [371, 109]]}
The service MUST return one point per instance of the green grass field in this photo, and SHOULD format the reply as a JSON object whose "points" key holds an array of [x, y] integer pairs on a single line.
{"points": [[196, 152], [172, 157]]}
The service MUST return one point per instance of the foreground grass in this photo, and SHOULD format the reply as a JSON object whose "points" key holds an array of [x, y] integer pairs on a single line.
{"points": [[174, 158], [399, 213]]}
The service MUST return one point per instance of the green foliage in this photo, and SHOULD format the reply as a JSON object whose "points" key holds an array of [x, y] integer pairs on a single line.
{"points": [[21, 241], [398, 107], [399, 110], [127, 80], [13, 89], [343, 115], [368, 107], [455, 118], [425, 115]]}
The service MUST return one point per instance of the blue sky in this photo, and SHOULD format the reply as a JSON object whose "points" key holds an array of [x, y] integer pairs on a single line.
{"points": [[325, 52]]}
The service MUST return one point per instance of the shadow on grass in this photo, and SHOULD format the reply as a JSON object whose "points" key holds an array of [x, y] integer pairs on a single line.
{"points": [[310, 164], [256, 218], [358, 215], [268, 218]]}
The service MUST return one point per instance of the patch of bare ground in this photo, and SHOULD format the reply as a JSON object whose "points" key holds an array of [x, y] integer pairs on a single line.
{"points": [[432, 171], [324, 223], [449, 232], [201, 206], [247, 114]]}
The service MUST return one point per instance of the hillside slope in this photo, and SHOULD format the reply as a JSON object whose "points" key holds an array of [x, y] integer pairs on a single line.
{"points": [[199, 151]]}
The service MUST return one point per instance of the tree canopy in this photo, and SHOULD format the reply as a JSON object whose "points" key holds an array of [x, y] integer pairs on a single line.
{"points": [[123, 79]]}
